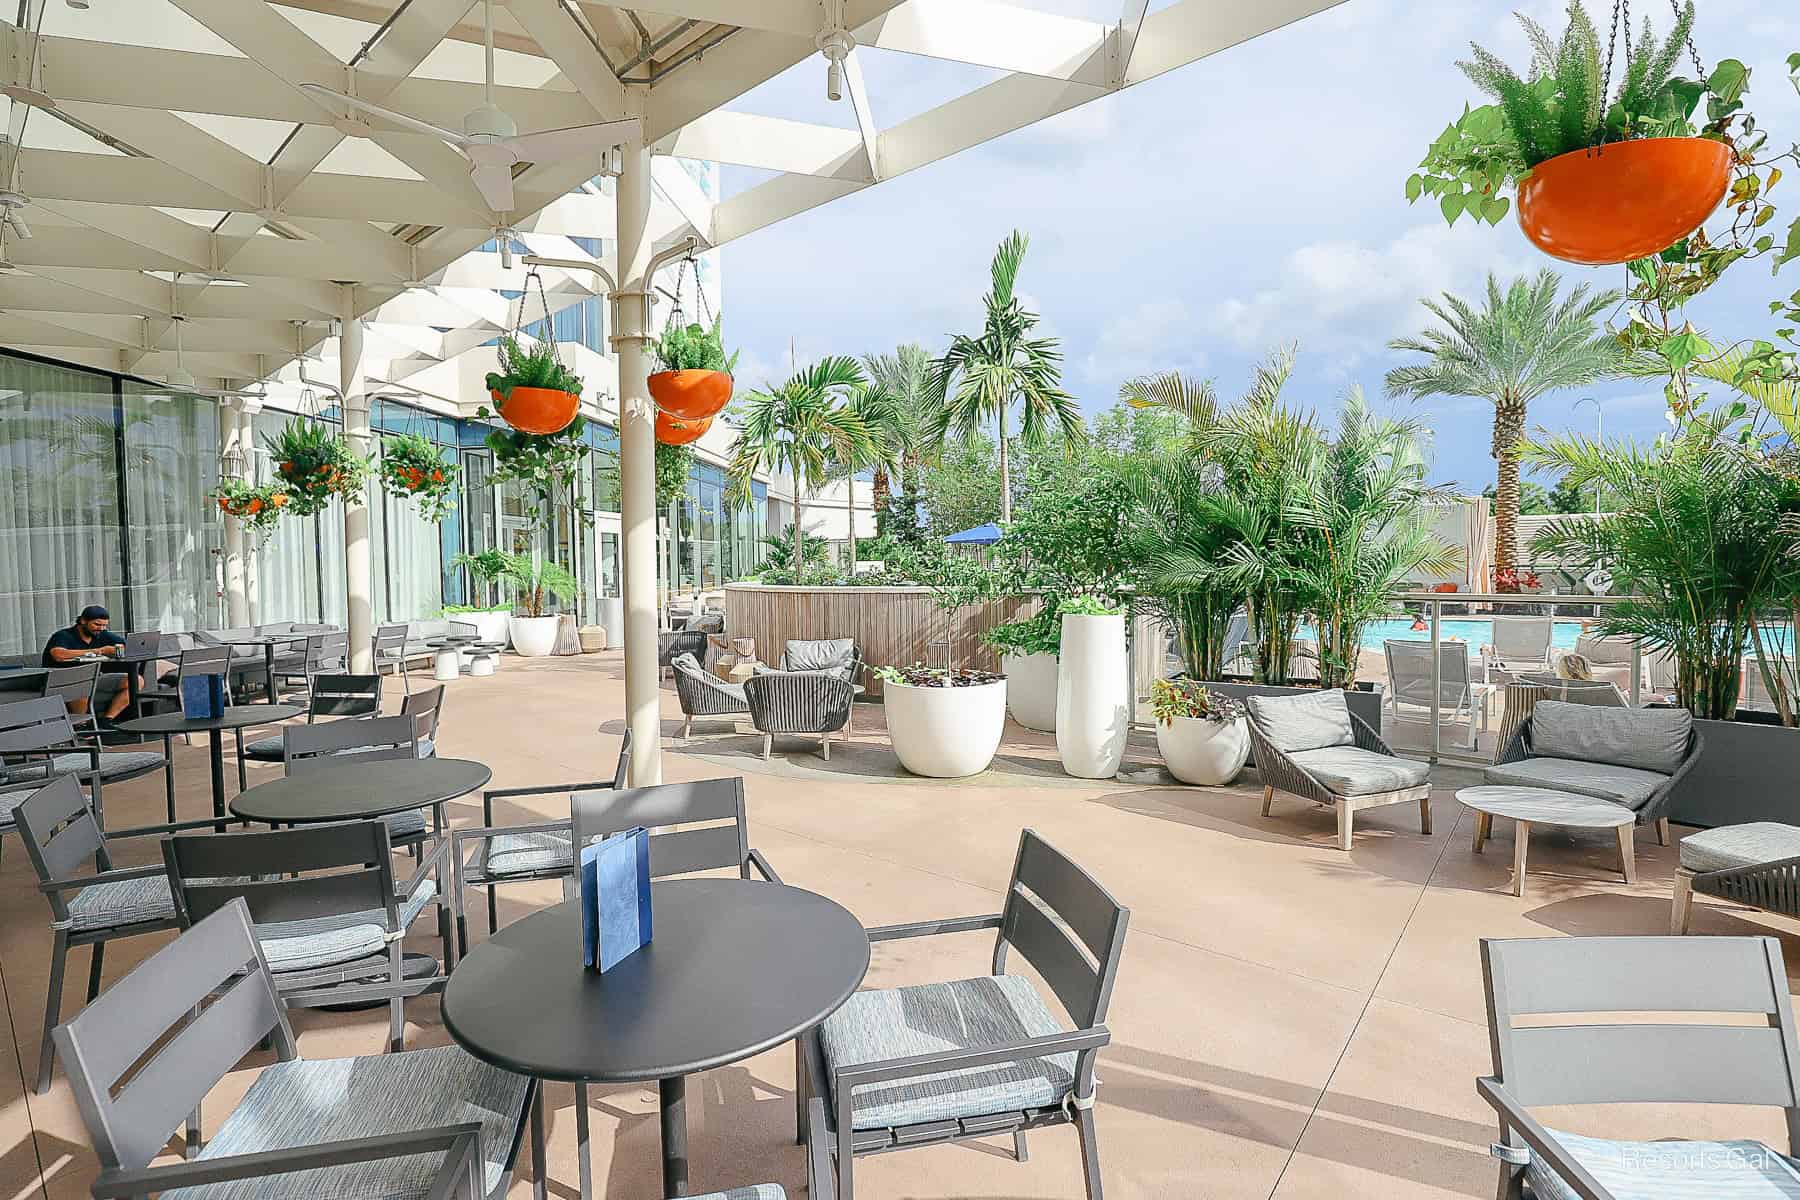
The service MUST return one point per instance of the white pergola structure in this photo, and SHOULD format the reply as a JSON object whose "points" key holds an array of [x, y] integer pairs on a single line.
{"points": [[193, 208]]}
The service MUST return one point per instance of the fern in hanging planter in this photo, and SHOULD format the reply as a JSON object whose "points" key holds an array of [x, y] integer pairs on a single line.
{"points": [[259, 508], [692, 382], [412, 467], [533, 391], [1598, 180], [315, 464]]}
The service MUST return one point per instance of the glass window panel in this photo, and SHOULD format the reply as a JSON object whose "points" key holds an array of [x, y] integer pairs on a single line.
{"points": [[171, 463]]}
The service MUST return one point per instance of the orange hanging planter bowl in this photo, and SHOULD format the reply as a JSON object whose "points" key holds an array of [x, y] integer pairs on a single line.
{"points": [[674, 431], [1623, 201], [538, 410], [691, 395]]}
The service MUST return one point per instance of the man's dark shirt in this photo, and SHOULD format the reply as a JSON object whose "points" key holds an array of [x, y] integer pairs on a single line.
{"points": [[69, 639]]}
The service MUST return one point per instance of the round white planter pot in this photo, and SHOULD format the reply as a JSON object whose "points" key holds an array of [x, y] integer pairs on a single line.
{"points": [[1031, 689], [1208, 753], [533, 637], [1093, 710], [490, 625], [948, 732]]}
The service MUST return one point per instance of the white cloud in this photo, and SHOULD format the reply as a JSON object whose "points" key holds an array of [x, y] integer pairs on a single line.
{"points": [[1155, 335]]}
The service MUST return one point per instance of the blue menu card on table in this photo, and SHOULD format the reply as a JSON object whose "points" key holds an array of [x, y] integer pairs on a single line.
{"points": [[615, 898], [203, 697]]}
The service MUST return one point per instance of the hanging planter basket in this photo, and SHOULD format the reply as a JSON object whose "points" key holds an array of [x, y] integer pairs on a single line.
{"points": [[411, 467], [258, 508], [1623, 201], [674, 431], [316, 465], [539, 410], [691, 395]]}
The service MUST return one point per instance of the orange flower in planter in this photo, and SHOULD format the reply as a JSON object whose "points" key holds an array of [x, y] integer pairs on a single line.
{"points": [[278, 499]]}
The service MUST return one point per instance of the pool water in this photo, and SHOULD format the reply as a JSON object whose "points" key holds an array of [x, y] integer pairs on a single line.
{"points": [[1476, 632]]}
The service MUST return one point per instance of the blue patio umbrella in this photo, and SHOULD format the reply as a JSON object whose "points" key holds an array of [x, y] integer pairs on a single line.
{"points": [[981, 535]]}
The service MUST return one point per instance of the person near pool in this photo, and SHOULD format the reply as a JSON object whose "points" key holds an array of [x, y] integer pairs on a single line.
{"points": [[91, 635]]}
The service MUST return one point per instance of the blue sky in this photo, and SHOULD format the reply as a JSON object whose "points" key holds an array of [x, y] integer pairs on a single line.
{"points": [[1195, 222]]}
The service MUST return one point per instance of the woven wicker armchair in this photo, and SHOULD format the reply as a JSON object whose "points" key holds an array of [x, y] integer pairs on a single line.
{"points": [[1358, 771], [1756, 865], [798, 702], [703, 694]]}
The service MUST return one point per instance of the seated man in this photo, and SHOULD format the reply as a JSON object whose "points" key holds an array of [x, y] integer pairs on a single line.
{"points": [[90, 635]]}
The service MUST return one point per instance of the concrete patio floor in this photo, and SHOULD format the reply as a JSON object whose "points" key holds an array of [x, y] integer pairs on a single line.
{"points": [[1290, 1021]]}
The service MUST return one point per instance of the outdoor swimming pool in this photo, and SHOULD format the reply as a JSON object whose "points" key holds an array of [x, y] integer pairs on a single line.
{"points": [[1473, 631]]}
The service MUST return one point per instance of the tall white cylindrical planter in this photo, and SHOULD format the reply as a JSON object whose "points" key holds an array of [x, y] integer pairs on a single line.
{"points": [[1093, 701], [1031, 689]]}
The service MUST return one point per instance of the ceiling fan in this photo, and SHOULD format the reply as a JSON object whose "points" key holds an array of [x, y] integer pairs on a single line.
{"points": [[490, 139], [181, 379]]}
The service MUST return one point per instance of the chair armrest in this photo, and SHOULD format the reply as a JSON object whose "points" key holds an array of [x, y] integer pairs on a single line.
{"points": [[439, 858], [1367, 738], [544, 790], [1517, 747], [1513, 1116], [762, 866], [171, 827], [962, 1058], [892, 933], [461, 1144], [482, 833], [117, 875]]}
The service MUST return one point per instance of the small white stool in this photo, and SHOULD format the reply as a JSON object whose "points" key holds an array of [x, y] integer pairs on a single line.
{"points": [[446, 664], [482, 663]]}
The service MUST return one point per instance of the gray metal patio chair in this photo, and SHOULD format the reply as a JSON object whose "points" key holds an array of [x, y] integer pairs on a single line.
{"points": [[1519, 644], [390, 652], [518, 853], [331, 696], [912, 1066], [434, 1123], [703, 694], [1316, 748], [324, 653], [1460, 699], [426, 707], [1590, 1060], [1630, 756], [1756, 864], [76, 684], [310, 747], [329, 916], [38, 742], [799, 702], [87, 907]]}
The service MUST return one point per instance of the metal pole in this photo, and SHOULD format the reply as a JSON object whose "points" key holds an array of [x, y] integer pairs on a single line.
{"points": [[637, 459], [1437, 676], [357, 574], [252, 551], [231, 466]]}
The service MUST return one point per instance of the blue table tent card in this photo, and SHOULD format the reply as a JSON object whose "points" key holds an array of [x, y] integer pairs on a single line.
{"points": [[203, 697], [615, 898]]}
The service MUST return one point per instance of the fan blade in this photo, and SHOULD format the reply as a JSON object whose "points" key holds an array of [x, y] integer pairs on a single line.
{"points": [[560, 145], [411, 124], [495, 183]]}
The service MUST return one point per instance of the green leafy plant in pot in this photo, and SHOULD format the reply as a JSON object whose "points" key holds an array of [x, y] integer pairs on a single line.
{"points": [[412, 467], [693, 380], [316, 464], [534, 392]]}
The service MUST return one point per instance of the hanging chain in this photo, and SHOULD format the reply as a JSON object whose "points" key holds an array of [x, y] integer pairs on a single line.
{"points": [[1612, 45], [677, 313], [549, 322], [1693, 50]]}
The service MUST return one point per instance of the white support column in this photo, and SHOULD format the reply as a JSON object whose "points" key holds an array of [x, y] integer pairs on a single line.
{"points": [[232, 464], [637, 462], [252, 548], [357, 574]]}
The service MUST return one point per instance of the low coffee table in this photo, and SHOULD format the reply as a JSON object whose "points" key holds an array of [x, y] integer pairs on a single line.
{"points": [[1528, 806]]}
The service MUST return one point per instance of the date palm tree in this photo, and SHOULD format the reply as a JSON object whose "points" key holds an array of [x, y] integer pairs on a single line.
{"points": [[905, 377], [1521, 345], [982, 377], [882, 420], [803, 427]]}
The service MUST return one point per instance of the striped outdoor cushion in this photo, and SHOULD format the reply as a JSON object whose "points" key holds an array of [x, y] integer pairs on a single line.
{"points": [[761, 1191], [302, 1103], [512, 855], [930, 1018], [1746, 845], [264, 749], [1741, 1170], [121, 902], [405, 824], [329, 941], [112, 766]]}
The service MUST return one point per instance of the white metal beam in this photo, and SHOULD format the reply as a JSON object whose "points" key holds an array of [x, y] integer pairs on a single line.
{"points": [[568, 47], [865, 116], [1002, 37], [769, 143]]}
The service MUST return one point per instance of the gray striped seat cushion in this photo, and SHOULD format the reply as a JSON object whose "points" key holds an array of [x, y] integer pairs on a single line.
{"points": [[121, 902], [10, 801], [264, 749], [302, 1103], [515, 855], [761, 1191], [1629, 786], [405, 824], [1650, 739], [1350, 771], [329, 941], [1741, 1170], [1306, 722], [112, 766], [1740, 846], [936, 1017]]}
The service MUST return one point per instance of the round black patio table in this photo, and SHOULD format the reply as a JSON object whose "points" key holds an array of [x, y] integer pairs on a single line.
{"points": [[734, 967], [238, 716], [358, 790]]}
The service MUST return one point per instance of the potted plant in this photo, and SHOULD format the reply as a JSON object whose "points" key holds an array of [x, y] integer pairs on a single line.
{"points": [[259, 508], [532, 581], [544, 463], [693, 377], [680, 431], [945, 722], [316, 464], [1093, 702], [1598, 181], [411, 466], [1199, 732], [534, 392], [1028, 657]]}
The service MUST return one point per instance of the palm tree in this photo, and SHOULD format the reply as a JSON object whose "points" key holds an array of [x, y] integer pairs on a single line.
{"points": [[803, 427], [1003, 366], [881, 419], [1522, 345], [905, 376]]}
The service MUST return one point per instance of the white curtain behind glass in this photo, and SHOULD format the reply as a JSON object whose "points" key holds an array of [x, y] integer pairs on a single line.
{"points": [[171, 462], [59, 509], [411, 565]]}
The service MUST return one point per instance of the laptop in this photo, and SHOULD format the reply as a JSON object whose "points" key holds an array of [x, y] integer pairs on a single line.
{"points": [[142, 645]]}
